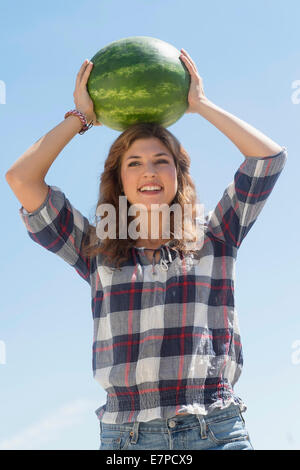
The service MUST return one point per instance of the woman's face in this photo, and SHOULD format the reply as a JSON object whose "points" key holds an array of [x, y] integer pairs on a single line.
{"points": [[142, 165]]}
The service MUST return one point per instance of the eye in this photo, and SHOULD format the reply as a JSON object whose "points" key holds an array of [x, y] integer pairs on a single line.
{"points": [[159, 161]]}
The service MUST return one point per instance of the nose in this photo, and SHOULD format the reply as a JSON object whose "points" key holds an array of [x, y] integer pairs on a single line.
{"points": [[150, 169]]}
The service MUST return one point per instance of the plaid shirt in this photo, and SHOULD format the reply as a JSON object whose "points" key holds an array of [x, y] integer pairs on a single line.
{"points": [[166, 341]]}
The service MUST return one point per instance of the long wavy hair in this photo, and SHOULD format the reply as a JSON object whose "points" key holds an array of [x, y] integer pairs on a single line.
{"points": [[118, 250]]}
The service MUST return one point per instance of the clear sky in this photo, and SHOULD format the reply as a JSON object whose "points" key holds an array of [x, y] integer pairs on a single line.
{"points": [[248, 56]]}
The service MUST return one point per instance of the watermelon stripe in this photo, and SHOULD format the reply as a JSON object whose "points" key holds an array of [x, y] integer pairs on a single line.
{"points": [[123, 93]]}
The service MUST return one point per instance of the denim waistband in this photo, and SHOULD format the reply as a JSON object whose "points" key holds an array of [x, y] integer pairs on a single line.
{"points": [[162, 424]]}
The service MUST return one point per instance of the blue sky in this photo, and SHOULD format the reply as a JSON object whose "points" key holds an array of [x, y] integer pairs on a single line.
{"points": [[248, 56]]}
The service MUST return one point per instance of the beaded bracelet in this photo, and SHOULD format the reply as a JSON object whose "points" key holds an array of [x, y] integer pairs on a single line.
{"points": [[82, 117]]}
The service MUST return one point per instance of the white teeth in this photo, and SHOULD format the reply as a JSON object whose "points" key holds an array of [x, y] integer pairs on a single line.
{"points": [[150, 188]]}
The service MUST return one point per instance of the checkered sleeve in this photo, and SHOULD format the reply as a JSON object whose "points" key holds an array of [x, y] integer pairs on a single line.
{"points": [[244, 198], [59, 227]]}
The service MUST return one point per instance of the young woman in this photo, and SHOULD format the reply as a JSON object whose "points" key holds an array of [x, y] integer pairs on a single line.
{"points": [[166, 346]]}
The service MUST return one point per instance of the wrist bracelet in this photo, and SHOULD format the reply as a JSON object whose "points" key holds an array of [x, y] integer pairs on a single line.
{"points": [[82, 117]]}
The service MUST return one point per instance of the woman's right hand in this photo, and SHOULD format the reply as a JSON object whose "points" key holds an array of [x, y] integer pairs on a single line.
{"points": [[82, 99]]}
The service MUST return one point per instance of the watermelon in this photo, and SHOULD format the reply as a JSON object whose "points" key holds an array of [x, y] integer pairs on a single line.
{"points": [[138, 79]]}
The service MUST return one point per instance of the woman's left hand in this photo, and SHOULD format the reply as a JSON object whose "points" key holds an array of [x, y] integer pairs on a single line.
{"points": [[196, 91]]}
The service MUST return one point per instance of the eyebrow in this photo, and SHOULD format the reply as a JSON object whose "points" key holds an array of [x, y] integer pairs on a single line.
{"points": [[156, 155]]}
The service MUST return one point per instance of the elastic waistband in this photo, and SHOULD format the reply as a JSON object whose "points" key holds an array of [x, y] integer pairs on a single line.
{"points": [[161, 424]]}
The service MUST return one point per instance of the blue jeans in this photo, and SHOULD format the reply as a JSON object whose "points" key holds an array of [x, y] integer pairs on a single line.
{"points": [[220, 430]]}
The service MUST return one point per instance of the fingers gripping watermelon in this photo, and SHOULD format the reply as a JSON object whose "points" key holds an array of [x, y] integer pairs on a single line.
{"points": [[138, 79]]}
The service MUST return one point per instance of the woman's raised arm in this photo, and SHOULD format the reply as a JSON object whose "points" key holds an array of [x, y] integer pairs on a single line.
{"points": [[27, 174], [250, 141]]}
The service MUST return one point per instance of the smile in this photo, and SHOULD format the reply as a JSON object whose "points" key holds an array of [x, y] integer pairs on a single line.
{"points": [[151, 192]]}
